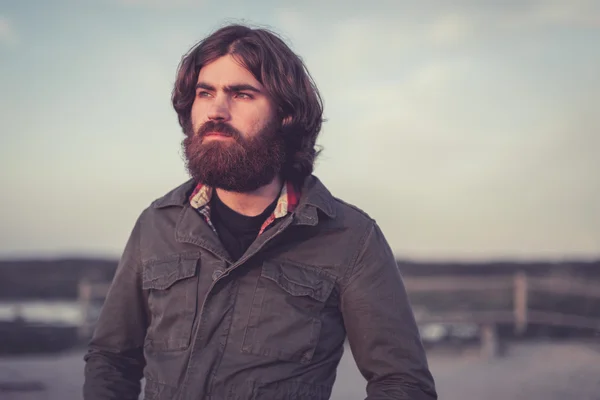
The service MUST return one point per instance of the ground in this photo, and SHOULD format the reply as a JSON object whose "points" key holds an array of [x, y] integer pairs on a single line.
{"points": [[528, 371]]}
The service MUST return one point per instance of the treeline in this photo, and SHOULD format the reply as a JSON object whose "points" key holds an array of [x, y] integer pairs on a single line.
{"points": [[587, 269], [58, 279], [50, 279]]}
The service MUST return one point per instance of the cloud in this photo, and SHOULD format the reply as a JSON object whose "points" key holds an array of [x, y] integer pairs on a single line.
{"points": [[461, 25], [451, 28], [473, 135], [158, 3], [8, 35], [582, 13]]}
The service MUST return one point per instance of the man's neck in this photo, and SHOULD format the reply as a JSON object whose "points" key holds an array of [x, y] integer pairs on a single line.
{"points": [[252, 203]]}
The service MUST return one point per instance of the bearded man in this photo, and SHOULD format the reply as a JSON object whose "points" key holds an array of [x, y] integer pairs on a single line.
{"points": [[246, 281]]}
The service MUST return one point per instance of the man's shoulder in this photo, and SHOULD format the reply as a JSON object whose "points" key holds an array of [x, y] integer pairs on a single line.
{"points": [[177, 196], [352, 211], [158, 208], [342, 209]]}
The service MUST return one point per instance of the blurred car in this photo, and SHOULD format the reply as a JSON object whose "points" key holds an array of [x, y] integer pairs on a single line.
{"points": [[34, 326]]}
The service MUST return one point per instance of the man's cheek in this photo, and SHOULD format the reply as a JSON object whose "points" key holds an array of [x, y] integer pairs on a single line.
{"points": [[196, 118]]}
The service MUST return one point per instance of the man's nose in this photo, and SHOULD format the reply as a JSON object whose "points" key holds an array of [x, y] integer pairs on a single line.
{"points": [[219, 109]]}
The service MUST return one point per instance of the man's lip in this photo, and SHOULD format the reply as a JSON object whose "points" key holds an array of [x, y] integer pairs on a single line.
{"points": [[216, 134]]}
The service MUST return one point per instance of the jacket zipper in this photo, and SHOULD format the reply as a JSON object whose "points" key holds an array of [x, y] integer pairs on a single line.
{"points": [[238, 263]]}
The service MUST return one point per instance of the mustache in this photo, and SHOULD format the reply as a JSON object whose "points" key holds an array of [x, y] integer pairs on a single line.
{"points": [[219, 127]]}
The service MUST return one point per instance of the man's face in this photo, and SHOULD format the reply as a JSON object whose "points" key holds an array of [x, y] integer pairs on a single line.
{"points": [[235, 142]]}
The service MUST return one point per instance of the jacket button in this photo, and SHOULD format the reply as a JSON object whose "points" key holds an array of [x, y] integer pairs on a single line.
{"points": [[216, 274]]}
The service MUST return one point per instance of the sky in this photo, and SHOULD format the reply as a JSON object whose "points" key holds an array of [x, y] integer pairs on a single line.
{"points": [[467, 130]]}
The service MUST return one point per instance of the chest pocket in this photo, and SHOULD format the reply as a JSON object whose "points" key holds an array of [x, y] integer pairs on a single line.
{"points": [[285, 320], [172, 299]]}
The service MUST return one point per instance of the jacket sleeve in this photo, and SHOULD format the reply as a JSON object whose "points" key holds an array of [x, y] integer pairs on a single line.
{"points": [[381, 327], [114, 362]]}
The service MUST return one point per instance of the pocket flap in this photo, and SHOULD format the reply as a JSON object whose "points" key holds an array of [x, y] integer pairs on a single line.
{"points": [[162, 275], [299, 281]]}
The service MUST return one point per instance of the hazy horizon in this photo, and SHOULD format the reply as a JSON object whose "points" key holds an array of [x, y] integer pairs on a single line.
{"points": [[468, 131]]}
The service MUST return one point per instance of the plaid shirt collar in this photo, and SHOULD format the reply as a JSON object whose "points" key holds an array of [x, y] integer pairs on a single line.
{"points": [[287, 202]]}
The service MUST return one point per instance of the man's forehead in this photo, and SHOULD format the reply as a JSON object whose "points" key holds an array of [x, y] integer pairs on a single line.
{"points": [[226, 71]]}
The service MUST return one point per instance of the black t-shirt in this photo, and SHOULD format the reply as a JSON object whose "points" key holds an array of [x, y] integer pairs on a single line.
{"points": [[236, 231]]}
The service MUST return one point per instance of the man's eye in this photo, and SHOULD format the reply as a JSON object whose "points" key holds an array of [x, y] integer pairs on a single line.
{"points": [[203, 93], [244, 96]]}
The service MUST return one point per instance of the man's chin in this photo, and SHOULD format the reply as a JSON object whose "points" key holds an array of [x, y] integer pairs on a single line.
{"points": [[219, 147], [230, 185]]}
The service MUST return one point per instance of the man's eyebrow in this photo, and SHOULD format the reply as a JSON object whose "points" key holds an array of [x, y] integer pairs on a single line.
{"points": [[240, 87], [202, 85]]}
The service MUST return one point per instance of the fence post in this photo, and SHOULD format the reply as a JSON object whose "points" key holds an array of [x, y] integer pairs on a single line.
{"points": [[490, 342], [85, 297], [520, 302]]}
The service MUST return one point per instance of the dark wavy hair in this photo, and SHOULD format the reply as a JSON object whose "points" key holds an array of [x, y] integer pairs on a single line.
{"points": [[279, 70]]}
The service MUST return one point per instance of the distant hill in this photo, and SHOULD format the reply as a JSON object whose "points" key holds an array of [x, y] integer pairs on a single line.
{"points": [[568, 267], [58, 279]]}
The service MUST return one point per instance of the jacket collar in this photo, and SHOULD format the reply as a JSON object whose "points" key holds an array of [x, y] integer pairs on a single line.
{"points": [[176, 197], [314, 195]]}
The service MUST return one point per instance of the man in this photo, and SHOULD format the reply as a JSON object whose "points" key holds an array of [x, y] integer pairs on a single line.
{"points": [[244, 282]]}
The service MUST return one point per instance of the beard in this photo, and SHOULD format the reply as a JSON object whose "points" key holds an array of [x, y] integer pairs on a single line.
{"points": [[239, 165]]}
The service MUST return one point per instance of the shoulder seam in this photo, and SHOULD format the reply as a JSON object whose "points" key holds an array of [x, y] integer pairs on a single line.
{"points": [[360, 249]]}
